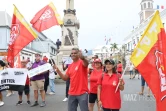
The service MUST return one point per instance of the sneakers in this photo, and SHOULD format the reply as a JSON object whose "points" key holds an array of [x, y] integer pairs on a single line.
{"points": [[1, 103], [43, 104], [35, 104], [19, 103], [51, 93], [65, 99], [28, 102]]}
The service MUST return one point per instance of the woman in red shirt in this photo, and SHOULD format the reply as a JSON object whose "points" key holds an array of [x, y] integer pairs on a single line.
{"points": [[107, 83], [96, 73]]}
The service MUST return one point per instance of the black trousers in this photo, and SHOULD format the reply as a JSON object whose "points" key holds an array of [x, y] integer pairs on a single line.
{"points": [[46, 83], [67, 87]]}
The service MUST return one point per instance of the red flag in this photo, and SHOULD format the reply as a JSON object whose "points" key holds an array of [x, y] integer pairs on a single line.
{"points": [[105, 38], [149, 57], [162, 7], [21, 34], [17, 63], [46, 18]]}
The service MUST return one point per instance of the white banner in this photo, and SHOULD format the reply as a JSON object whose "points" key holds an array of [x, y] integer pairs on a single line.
{"points": [[67, 60], [39, 69], [12, 78]]}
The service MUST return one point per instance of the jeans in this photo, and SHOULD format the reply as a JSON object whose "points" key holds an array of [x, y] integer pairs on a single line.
{"points": [[67, 87], [75, 100], [52, 85]]}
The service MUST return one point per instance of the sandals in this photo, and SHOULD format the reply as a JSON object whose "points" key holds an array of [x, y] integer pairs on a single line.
{"points": [[141, 93]]}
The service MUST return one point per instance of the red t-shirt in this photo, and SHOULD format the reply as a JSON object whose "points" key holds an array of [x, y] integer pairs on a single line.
{"points": [[78, 75], [119, 67], [93, 80], [108, 97]]}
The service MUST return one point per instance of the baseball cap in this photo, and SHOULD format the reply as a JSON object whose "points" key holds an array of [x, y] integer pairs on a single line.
{"points": [[37, 54], [97, 60], [109, 60]]}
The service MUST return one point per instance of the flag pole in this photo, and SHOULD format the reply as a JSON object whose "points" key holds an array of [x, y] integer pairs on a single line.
{"points": [[121, 77], [44, 49]]}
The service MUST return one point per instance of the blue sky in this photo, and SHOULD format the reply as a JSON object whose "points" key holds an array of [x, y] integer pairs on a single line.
{"points": [[98, 18]]}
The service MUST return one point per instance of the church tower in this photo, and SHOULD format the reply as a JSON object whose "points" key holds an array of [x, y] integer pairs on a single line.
{"points": [[146, 9]]}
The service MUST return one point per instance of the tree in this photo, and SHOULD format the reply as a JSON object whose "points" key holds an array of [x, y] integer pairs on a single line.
{"points": [[113, 47]]}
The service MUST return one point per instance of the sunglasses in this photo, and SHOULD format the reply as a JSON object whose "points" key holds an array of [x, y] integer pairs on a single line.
{"points": [[74, 53]]}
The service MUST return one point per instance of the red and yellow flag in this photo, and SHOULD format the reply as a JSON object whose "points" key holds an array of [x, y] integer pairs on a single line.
{"points": [[149, 57], [46, 18], [21, 34]]}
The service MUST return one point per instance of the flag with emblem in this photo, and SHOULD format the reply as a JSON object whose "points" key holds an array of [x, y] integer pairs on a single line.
{"points": [[21, 34], [46, 18], [149, 57]]}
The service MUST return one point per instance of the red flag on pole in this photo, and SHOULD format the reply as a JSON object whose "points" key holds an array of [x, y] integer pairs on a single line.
{"points": [[21, 34], [149, 57], [105, 38], [46, 18]]}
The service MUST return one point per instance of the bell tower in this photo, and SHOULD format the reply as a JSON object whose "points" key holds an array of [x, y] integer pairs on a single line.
{"points": [[146, 9]]}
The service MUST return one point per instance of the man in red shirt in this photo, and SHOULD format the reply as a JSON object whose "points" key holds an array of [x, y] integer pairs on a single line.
{"points": [[77, 72], [119, 67]]}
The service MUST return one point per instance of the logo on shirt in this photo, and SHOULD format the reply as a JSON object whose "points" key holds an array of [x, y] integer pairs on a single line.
{"points": [[114, 83], [76, 68]]}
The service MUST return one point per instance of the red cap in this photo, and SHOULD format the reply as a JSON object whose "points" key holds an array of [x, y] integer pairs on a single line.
{"points": [[97, 60]]}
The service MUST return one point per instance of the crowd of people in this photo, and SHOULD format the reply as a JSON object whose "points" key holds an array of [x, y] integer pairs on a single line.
{"points": [[104, 79]]}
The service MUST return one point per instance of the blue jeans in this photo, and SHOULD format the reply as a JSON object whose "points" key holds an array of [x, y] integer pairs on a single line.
{"points": [[52, 85]]}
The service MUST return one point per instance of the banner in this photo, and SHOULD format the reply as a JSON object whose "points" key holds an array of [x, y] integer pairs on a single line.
{"points": [[13, 79], [67, 60], [39, 69]]}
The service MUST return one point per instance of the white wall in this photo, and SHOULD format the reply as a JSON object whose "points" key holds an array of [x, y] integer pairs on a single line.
{"points": [[4, 37]]}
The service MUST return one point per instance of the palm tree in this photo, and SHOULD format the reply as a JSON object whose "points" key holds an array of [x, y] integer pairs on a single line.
{"points": [[113, 47]]}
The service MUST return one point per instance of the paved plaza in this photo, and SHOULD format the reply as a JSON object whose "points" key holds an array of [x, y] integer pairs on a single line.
{"points": [[131, 101]]}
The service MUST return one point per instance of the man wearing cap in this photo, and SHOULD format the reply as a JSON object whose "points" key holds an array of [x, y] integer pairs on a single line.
{"points": [[37, 82], [77, 72]]}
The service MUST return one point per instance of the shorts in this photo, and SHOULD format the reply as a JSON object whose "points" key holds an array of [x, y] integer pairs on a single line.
{"points": [[143, 81], [92, 97], [26, 90], [38, 84], [131, 72]]}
